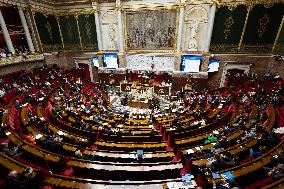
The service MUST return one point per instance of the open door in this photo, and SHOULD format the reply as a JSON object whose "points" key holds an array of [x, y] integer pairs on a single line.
{"points": [[231, 73], [85, 64], [86, 70]]}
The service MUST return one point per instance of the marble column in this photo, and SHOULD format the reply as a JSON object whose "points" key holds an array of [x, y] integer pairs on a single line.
{"points": [[26, 29], [121, 54], [33, 33], [6, 34], [120, 30], [98, 30], [180, 28], [210, 27]]}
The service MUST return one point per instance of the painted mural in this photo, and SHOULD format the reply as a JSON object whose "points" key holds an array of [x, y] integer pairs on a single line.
{"points": [[151, 30]]}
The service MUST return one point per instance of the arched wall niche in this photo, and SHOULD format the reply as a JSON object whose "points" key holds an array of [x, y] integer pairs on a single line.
{"points": [[195, 28]]}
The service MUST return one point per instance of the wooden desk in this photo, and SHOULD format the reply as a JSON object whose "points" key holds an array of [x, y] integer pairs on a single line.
{"points": [[142, 105], [13, 165]]}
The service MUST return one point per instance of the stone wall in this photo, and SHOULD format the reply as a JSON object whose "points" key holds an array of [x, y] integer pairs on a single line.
{"points": [[259, 65]]}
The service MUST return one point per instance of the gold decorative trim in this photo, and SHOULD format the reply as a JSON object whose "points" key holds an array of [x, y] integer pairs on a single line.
{"points": [[79, 33], [199, 8], [153, 6], [266, 3], [63, 13], [249, 8], [224, 48], [263, 21], [228, 24], [60, 32], [254, 48], [151, 51], [278, 34]]}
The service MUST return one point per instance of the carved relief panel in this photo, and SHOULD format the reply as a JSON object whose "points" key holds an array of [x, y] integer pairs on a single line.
{"points": [[195, 28], [109, 29]]}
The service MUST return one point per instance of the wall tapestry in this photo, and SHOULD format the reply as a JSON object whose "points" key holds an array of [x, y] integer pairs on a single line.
{"points": [[48, 30], [151, 30], [70, 32], [88, 32], [227, 30], [262, 27]]}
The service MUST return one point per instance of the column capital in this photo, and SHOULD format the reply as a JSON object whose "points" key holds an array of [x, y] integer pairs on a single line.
{"points": [[23, 8], [215, 3], [182, 4]]}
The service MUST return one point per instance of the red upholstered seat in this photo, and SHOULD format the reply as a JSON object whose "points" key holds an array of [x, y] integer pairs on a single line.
{"points": [[68, 172], [46, 187], [261, 183]]}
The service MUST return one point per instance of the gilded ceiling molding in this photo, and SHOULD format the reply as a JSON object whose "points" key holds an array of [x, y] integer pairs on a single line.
{"points": [[76, 13], [60, 32], [153, 6], [106, 1], [233, 4], [13, 3], [43, 10], [46, 11], [47, 2]]}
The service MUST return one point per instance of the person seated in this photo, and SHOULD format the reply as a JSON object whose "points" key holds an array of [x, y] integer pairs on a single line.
{"points": [[153, 132], [79, 154], [52, 145], [10, 151], [2, 92], [278, 158], [17, 104], [255, 153], [211, 138], [223, 143], [15, 180], [268, 75], [222, 162], [78, 123], [30, 138], [276, 172]]}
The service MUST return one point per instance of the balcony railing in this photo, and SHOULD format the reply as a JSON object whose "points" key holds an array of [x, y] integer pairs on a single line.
{"points": [[19, 59]]}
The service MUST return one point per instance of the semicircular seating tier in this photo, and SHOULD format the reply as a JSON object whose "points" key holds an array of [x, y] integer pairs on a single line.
{"points": [[67, 131]]}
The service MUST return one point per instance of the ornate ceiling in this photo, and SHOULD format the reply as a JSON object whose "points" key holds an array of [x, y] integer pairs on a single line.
{"points": [[71, 2]]}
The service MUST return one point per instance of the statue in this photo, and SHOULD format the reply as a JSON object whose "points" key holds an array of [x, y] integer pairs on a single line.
{"points": [[193, 41], [112, 33]]}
